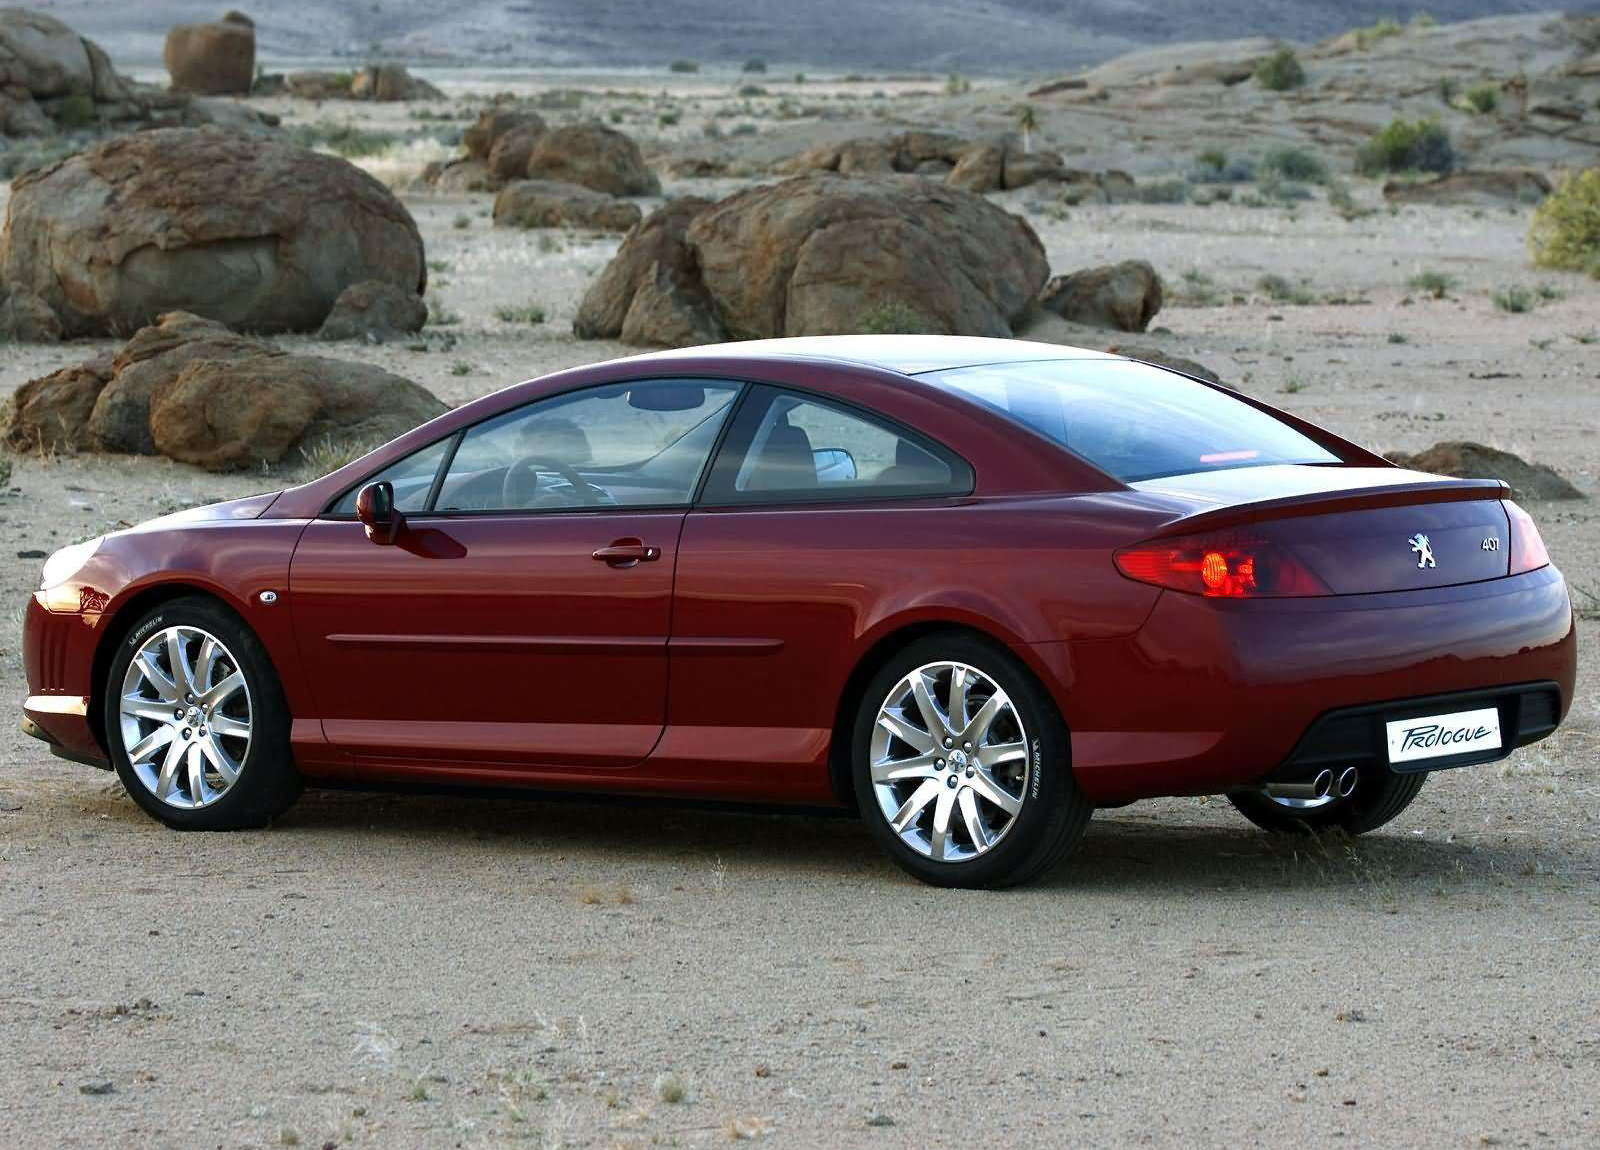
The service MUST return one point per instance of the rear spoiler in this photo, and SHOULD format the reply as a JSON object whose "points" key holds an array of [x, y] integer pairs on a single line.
{"points": [[1438, 490]]}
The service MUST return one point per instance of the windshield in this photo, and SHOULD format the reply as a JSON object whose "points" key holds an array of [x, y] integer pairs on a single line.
{"points": [[1131, 420]]}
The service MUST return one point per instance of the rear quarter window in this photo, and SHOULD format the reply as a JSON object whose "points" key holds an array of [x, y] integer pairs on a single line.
{"points": [[1131, 420]]}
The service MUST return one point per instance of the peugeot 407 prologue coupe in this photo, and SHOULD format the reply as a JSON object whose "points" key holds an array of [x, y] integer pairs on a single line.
{"points": [[973, 588]]}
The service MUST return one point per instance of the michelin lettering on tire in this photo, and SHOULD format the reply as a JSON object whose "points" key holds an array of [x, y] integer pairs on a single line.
{"points": [[1038, 760]]}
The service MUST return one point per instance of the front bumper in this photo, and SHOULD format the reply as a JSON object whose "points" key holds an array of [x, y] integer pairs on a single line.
{"points": [[1211, 696], [58, 657]]}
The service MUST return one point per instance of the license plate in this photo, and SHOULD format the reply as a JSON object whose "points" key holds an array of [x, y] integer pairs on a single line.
{"points": [[1436, 736]]}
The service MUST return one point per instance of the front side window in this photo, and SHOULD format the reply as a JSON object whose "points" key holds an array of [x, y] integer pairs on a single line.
{"points": [[638, 444], [412, 478], [1131, 420], [794, 448]]}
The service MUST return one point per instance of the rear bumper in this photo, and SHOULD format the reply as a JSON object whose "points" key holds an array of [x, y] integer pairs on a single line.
{"points": [[1214, 695]]}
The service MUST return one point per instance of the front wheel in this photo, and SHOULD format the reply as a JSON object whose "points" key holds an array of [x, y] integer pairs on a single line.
{"points": [[1380, 795], [196, 721], [962, 767]]}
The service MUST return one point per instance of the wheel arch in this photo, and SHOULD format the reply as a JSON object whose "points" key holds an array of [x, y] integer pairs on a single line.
{"points": [[120, 620], [882, 647]]}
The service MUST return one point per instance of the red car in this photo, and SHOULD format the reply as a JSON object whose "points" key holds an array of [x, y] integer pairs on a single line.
{"points": [[974, 588]]}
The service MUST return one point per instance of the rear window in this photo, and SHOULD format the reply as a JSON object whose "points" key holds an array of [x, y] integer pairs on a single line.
{"points": [[1131, 420]]}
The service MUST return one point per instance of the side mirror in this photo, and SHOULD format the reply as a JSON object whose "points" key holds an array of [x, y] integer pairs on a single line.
{"points": [[376, 511], [834, 464]]}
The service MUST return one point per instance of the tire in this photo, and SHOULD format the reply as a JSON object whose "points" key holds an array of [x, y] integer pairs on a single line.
{"points": [[142, 702], [1379, 796], [1034, 770]]}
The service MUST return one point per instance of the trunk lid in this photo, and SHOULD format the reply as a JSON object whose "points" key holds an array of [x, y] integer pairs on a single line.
{"points": [[1358, 529]]}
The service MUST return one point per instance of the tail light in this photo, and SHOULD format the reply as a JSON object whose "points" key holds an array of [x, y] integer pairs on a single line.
{"points": [[1527, 547], [1220, 566]]}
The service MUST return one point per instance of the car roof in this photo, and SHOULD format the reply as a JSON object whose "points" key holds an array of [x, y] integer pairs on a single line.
{"points": [[906, 354]]}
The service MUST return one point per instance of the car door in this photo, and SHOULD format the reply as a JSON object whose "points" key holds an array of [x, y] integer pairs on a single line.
{"points": [[521, 616], [812, 508]]}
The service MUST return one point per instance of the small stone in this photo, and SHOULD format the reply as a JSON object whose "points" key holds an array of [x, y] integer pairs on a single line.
{"points": [[97, 1086], [880, 1120], [33, 553]]}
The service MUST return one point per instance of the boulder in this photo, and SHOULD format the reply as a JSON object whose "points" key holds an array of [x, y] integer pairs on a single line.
{"points": [[21, 115], [312, 85], [552, 204], [1479, 186], [52, 413], [228, 415], [822, 254], [1145, 353], [479, 139], [980, 169], [654, 268], [595, 156], [390, 83], [149, 361], [460, 176], [1019, 168], [214, 59], [1464, 459], [905, 152], [43, 56], [864, 158], [374, 311], [254, 232], [508, 156], [26, 318], [1124, 296]]}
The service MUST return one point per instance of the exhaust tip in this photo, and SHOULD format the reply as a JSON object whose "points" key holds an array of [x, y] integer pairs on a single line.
{"points": [[1348, 778], [1322, 784]]}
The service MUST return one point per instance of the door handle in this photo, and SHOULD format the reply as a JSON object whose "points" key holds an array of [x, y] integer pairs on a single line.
{"points": [[626, 553]]}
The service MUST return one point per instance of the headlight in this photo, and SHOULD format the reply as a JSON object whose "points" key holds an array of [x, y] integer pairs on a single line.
{"points": [[67, 562]]}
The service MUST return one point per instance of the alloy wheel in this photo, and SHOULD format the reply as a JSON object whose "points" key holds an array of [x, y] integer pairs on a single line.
{"points": [[185, 716], [949, 761]]}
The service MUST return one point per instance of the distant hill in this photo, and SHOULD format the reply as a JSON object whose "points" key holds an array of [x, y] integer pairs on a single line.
{"points": [[974, 36]]}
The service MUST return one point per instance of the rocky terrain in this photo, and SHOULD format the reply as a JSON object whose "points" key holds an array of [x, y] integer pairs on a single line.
{"points": [[997, 38], [356, 245]]}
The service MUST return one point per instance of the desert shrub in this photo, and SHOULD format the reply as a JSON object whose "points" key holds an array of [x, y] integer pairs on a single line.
{"points": [[1275, 187], [1482, 98], [1292, 163], [1434, 283], [956, 84], [328, 453], [345, 139], [1515, 298], [1214, 166], [1381, 30], [1407, 146], [1174, 191], [1278, 289], [75, 111], [755, 64], [1565, 232], [1280, 71], [748, 91], [683, 66], [892, 317], [1343, 201], [532, 313]]}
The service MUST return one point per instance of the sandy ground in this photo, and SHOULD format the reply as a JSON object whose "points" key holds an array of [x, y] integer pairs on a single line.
{"points": [[399, 971]]}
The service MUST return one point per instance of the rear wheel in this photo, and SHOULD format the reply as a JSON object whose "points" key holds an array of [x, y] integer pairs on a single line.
{"points": [[196, 722], [1379, 796], [961, 766]]}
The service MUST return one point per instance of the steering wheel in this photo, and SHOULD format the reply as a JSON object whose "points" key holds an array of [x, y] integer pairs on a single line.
{"points": [[512, 487]]}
